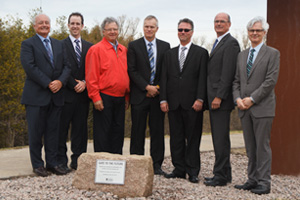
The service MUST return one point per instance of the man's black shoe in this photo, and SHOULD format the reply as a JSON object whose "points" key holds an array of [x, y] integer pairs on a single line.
{"points": [[193, 179], [246, 186], [73, 166], [41, 171], [64, 167], [173, 175], [57, 170], [211, 178], [261, 189], [159, 171], [215, 182]]}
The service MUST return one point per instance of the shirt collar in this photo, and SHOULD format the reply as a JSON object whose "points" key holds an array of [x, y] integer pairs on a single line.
{"points": [[257, 48], [153, 42], [114, 45], [73, 38], [187, 46], [222, 36], [42, 38]]}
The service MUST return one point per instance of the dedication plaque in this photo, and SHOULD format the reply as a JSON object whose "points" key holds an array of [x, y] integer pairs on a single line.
{"points": [[110, 171]]}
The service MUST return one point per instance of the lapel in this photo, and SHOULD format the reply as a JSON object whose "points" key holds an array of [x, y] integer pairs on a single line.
{"points": [[144, 49], [53, 45], [158, 50], [176, 52], [243, 61], [258, 58], [221, 43], [39, 44], [188, 57], [71, 48]]}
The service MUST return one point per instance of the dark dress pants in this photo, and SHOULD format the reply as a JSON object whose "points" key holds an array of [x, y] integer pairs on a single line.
{"points": [[220, 128], [43, 123], [108, 125], [185, 136], [139, 114], [74, 114]]}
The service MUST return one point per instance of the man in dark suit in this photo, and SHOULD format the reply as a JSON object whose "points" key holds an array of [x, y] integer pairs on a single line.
{"points": [[144, 58], [46, 71], [253, 89], [76, 108], [220, 75], [183, 90]]}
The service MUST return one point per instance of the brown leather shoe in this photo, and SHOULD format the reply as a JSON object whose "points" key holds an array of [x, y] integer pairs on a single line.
{"points": [[41, 171], [57, 170]]}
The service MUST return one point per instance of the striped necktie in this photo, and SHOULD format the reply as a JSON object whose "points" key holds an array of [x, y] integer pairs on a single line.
{"points": [[250, 62], [182, 58], [151, 60], [49, 52], [77, 51]]}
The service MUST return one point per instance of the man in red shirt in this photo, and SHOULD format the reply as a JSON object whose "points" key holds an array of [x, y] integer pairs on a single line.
{"points": [[108, 86]]}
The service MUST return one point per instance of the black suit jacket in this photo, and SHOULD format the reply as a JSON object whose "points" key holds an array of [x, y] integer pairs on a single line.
{"points": [[139, 67], [183, 88], [40, 72], [77, 70], [221, 71]]}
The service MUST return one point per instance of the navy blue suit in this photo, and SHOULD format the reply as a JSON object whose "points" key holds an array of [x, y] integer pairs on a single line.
{"points": [[43, 108]]}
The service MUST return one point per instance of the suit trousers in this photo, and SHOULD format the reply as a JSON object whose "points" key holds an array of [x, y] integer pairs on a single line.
{"points": [[43, 123], [74, 114], [185, 136], [139, 114], [257, 133], [108, 125], [220, 127]]}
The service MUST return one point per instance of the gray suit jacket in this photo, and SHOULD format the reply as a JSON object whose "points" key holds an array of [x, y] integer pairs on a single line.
{"points": [[221, 70], [260, 83]]}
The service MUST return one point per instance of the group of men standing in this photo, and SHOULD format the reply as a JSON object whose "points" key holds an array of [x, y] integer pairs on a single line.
{"points": [[182, 81]]}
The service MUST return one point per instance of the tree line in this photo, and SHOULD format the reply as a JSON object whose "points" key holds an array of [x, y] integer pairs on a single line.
{"points": [[13, 126]]}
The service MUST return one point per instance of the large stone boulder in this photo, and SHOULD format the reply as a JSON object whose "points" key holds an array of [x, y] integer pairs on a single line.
{"points": [[138, 175]]}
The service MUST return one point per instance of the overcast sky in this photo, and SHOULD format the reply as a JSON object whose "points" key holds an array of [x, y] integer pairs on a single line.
{"points": [[168, 12]]}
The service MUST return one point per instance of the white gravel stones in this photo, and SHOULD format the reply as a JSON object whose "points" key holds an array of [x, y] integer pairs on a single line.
{"points": [[59, 187]]}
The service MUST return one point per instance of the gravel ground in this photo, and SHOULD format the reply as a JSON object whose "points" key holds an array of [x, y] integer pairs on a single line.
{"points": [[59, 187]]}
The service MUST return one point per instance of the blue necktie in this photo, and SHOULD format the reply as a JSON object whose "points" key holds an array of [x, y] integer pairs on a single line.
{"points": [[151, 60], [77, 51], [215, 44], [250, 62], [49, 52]]}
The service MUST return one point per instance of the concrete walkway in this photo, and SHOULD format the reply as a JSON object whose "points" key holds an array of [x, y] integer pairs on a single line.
{"points": [[16, 162]]}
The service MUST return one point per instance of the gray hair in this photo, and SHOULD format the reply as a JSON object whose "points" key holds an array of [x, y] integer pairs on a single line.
{"points": [[34, 19], [264, 23], [109, 20], [149, 17]]}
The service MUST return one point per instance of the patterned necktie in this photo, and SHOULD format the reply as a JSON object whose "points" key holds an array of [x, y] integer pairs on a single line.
{"points": [[215, 44], [151, 60], [49, 52], [250, 62], [182, 58], [77, 51]]}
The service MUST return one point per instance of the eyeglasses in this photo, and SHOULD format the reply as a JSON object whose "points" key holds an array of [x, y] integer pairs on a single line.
{"points": [[256, 30], [220, 21], [111, 30], [184, 29]]}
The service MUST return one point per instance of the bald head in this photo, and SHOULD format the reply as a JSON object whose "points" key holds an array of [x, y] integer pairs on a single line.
{"points": [[222, 23]]}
